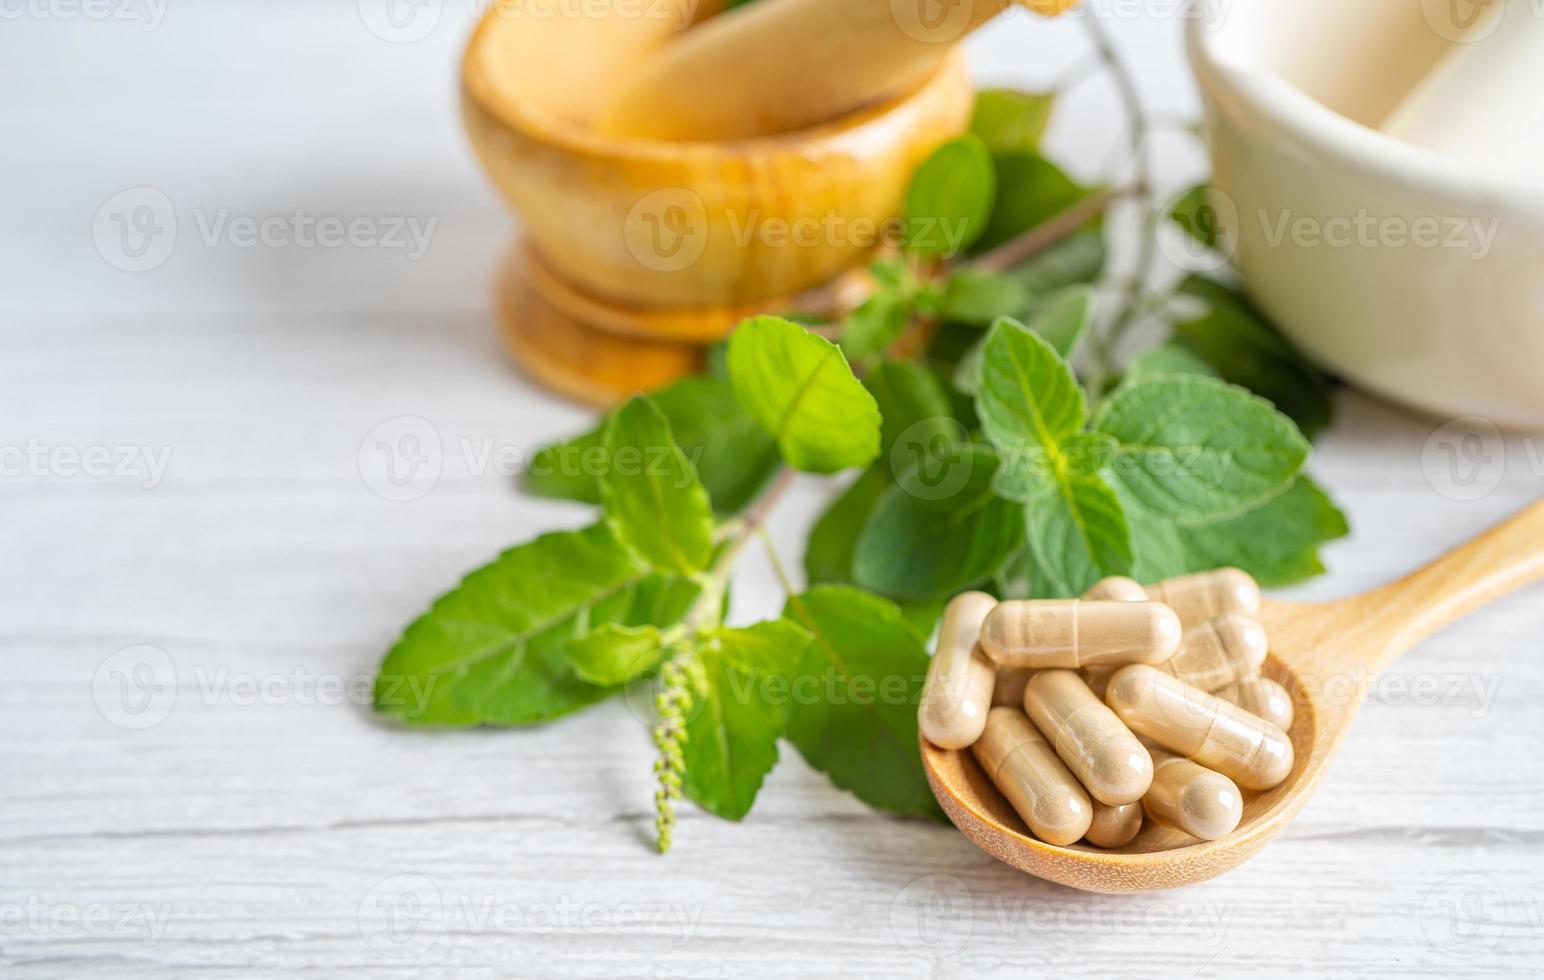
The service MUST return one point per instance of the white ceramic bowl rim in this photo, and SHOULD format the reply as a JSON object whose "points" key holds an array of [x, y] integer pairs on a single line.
{"points": [[1214, 56]]}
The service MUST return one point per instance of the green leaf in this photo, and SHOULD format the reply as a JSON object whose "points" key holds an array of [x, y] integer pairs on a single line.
{"points": [[881, 318], [979, 297], [732, 456], [739, 685], [834, 540], [652, 497], [1078, 258], [495, 649], [1028, 398], [1078, 535], [1030, 190], [1062, 320], [1195, 214], [914, 405], [1164, 361], [854, 709], [949, 200], [1238, 342], [800, 389], [930, 540], [615, 654], [1278, 543], [1009, 120], [1194, 448]]}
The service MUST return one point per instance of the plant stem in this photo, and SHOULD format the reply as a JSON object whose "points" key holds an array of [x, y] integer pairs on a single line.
{"points": [[1030, 243]]}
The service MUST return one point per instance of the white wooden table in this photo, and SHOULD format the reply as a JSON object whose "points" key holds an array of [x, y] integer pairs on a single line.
{"points": [[241, 813]]}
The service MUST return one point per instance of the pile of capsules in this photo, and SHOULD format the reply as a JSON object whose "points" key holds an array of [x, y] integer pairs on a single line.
{"points": [[1134, 699]]}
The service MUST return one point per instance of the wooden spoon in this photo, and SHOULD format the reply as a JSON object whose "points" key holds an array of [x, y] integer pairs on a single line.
{"points": [[1322, 653]]}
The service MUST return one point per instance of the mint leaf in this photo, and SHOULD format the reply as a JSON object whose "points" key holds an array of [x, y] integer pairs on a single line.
{"points": [[652, 497], [1238, 341], [800, 389], [739, 685], [1164, 361], [1028, 402], [1078, 535], [928, 539], [979, 297], [854, 710], [615, 654], [881, 318], [949, 200], [1278, 543], [1030, 190], [915, 407], [732, 456], [1195, 448], [1007, 120], [494, 650], [834, 539], [1195, 214]]}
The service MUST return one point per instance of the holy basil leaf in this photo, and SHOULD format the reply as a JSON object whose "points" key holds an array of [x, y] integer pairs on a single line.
{"points": [[800, 389], [1030, 190], [615, 654], [924, 541], [979, 297], [1062, 320], [854, 708], [1278, 543], [1194, 448], [732, 456], [1007, 120], [1028, 399], [652, 497], [834, 539], [495, 649], [739, 683], [1078, 535], [877, 321], [914, 405], [1238, 342], [949, 200]]}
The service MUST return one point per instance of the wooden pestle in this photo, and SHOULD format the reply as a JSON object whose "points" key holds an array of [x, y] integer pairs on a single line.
{"points": [[781, 65]]}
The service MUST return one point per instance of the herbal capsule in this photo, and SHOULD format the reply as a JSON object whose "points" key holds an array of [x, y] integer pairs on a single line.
{"points": [[1020, 763], [1192, 798], [958, 692], [1117, 588], [1010, 686], [1107, 759], [1098, 679], [1262, 697], [1185, 720], [1219, 652], [1204, 595], [1071, 633], [1114, 826]]}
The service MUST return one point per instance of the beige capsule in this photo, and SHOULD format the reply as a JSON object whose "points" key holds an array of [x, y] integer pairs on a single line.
{"points": [[1072, 633], [1117, 588], [1219, 651], [1262, 697], [1010, 686], [958, 691], [1020, 762], [1098, 678], [1187, 721], [1192, 798], [1114, 826], [1107, 759], [1204, 595]]}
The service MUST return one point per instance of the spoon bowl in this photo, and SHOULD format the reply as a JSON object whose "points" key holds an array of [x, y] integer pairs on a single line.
{"points": [[1323, 654]]}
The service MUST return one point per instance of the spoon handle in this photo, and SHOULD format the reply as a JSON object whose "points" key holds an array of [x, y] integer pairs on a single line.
{"points": [[1397, 616]]}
